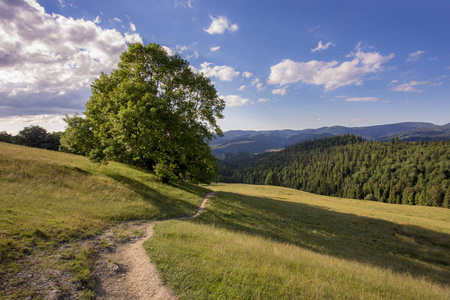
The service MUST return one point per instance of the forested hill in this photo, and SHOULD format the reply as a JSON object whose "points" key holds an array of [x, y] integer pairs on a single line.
{"points": [[348, 166], [261, 141]]}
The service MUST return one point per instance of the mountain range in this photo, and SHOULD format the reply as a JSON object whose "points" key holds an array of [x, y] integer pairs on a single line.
{"points": [[272, 140]]}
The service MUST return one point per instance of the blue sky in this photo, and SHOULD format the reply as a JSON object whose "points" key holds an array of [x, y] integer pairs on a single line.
{"points": [[278, 64]]}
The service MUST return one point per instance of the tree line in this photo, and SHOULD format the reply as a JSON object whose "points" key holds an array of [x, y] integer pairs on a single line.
{"points": [[33, 136], [415, 173]]}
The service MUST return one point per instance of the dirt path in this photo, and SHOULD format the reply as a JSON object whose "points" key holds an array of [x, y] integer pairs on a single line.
{"points": [[126, 272]]}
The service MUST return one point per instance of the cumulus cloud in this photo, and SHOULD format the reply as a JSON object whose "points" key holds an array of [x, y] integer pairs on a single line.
{"points": [[224, 73], [330, 74], [220, 24], [234, 100], [241, 88], [263, 100], [409, 87], [132, 26], [415, 56], [47, 61], [321, 46], [97, 20], [214, 49]]}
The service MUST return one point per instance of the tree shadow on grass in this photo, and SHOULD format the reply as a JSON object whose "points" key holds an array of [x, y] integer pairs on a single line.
{"points": [[401, 248], [168, 206], [190, 188]]}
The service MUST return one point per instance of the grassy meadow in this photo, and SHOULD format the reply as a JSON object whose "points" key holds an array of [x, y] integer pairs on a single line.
{"points": [[251, 242], [49, 199], [263, 242]]}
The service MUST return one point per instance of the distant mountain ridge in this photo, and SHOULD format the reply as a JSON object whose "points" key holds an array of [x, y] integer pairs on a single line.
{"points": [[262, 141]]}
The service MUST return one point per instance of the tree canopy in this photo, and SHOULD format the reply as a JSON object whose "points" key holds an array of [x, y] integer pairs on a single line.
{"points": [[415, 173], [152, 111]]}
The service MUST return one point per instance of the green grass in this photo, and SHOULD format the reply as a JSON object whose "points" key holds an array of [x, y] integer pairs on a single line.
{"points": [[260, 242], [49, 198], [251, 242]]}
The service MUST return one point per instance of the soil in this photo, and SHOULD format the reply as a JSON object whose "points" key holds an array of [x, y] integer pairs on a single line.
{"points": [[124, 270]]}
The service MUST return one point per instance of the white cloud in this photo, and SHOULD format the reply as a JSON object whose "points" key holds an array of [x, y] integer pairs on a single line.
{"points": [[415, 56], [51, 122], [132, 38], [224, 73], [193, 69], [247, 75], [48, 65], [132, 26], [214, 49], [180, 49], [263, 100], [330, 74], [35, 119], [256, 82], [97, 20], [220, 24], [241, 88], [234, 100], [409, 87], [362, 99], [168, 50], [280, 91], [321, 46]]}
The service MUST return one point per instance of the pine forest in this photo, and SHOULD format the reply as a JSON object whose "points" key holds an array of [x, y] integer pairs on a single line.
{"points": [[415, 173]]}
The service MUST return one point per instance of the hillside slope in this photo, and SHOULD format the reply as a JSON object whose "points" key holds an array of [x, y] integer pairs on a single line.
{"points": [[347, 166], [50, 202], [265, 242]]}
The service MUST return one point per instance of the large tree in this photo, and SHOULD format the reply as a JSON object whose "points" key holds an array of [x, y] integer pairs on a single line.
{"points": [[152, 111]]}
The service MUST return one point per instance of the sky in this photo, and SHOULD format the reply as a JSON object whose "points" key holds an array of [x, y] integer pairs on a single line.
{"points": [[277, 64]]}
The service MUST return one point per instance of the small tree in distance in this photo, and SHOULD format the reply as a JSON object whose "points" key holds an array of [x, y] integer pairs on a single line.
{"points": [[152, 111]]}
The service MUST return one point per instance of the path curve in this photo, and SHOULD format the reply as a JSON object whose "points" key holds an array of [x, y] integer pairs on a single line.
{"points": [[127, 272]]}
